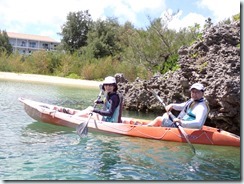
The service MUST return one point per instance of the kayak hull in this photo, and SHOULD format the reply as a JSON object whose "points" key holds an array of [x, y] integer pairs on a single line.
{"points": [[43, 112]]}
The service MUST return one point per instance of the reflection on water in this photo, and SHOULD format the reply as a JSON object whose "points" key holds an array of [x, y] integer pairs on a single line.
{"points": [[47, 128], [31, 150]]}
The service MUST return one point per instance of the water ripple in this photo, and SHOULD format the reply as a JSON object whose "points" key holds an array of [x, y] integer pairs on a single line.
{"points": [[31, 150]]}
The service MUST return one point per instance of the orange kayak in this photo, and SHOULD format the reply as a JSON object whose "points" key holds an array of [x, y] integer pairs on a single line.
{"points": [[48, 113]]}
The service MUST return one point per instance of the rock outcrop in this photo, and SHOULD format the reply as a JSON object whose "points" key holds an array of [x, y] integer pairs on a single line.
{"points": [[213, 61]]}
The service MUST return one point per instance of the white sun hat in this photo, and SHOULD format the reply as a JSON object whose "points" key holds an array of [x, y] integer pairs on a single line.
{"points": [[197, 86], [109, 80]]}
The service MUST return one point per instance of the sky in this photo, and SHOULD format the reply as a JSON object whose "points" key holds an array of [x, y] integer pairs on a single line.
{"points": [[46, 17]]}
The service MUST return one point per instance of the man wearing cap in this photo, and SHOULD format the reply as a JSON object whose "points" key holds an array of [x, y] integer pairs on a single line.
{"points": [[193, 113]]}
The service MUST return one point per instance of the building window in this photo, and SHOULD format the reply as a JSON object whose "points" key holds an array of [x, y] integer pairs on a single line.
{"points": [[32, 44], [45, 45], [23, 44]]}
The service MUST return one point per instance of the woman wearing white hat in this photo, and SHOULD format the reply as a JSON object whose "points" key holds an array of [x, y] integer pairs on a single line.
{"points": [[112, 105], [193, 113]]}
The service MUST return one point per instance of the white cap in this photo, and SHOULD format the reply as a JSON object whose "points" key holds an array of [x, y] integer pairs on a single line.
{"points": [[197, 86], [109, 80]]}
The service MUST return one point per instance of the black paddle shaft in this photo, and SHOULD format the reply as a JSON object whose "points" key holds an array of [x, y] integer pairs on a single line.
{"points": [[82, 129], [172, 117]]}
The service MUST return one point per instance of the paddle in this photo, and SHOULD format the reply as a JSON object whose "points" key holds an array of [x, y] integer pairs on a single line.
{"points": [[82, 128], [177, 124]]}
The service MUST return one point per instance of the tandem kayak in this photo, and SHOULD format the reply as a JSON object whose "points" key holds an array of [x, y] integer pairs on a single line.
{"points": [[48, 113]]}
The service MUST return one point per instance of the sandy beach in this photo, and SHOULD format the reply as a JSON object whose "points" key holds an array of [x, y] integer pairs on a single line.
{"points": [[48, 79]]}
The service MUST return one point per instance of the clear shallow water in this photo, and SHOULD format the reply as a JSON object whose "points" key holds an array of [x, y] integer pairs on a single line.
{"points": [[31, 150]]}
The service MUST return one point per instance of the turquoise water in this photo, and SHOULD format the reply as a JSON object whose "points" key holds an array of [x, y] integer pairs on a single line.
{"points": [[31, 150]]}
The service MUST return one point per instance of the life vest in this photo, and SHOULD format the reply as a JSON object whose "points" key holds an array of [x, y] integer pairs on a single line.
{"points": [[116, 117], [186, 114]]}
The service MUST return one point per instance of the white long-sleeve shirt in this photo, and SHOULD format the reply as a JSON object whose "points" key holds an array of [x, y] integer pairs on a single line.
{"points": [[199, 110]]}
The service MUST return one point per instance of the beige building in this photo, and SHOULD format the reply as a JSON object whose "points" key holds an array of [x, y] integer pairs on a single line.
{"points": [[26, 43]]}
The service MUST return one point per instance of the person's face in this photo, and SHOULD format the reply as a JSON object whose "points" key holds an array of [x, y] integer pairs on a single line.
{"points": [[196, 94], [109, 87]]}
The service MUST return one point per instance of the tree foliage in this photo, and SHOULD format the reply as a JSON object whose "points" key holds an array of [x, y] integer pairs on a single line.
{"points": [[95, 49], [157, 47], [102, 39], [5, 46], [75, 30], [154, 48], [236, 17]]}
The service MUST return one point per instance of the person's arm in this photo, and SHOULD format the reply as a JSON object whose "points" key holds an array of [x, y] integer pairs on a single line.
{"points": [[178, 106], [114, 101]]}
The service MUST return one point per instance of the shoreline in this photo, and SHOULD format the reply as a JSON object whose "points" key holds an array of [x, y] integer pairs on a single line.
{"points": [[48, 79]]}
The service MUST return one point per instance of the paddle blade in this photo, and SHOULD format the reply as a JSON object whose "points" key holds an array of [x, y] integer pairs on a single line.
{"points": [[82, 129]]}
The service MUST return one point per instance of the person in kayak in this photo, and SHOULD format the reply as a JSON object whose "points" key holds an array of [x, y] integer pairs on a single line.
{"points": [[193, 113], [112, 104]]}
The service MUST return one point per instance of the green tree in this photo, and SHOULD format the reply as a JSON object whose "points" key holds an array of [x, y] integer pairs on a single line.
{"points": [[236, 17], [157, 47], [152, 47], [75, 30], [194, 33], [103, 39], [208, 23], [5, 46]]}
